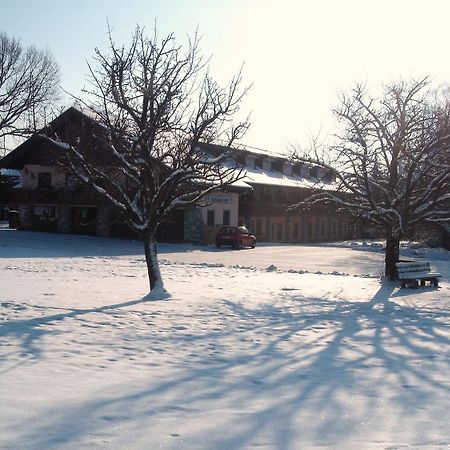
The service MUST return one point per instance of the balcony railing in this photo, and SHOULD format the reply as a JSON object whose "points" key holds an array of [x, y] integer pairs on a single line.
{"points": [[54, 196]]}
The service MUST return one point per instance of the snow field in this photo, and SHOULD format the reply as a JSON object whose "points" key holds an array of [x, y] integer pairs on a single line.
{"points": [[237, 358]]}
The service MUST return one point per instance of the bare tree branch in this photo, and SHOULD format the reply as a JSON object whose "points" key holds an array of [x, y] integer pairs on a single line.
{"points": [[29, 81], [392, 159], [153, 104]]}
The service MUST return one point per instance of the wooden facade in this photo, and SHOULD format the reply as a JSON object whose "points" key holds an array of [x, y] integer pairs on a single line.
{"points": [[268, 212]]}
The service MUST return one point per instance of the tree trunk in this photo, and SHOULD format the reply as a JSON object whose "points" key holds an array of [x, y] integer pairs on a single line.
{"points": [[151, 258], [392, 255]]}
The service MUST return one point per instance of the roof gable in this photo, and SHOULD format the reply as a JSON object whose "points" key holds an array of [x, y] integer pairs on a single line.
{"points": [[36, 148]]}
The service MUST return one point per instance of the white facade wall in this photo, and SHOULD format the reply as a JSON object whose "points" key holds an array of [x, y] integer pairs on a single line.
{"points": [[220, 202], [29, 176]]}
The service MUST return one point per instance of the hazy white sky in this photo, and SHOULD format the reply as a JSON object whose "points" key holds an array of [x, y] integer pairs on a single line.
{"points": [[298, 54]]}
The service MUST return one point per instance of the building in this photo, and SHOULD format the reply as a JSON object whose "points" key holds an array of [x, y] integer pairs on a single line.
{"points": [[49, 199], [276, 184]]}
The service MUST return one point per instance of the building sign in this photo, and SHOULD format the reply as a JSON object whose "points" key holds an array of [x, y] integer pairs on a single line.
{"points": [[219, 199]]}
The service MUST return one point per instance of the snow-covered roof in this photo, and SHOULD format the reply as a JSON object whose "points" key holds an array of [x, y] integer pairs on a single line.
{"points": [[254, 151], [260, 176], [245, 150], [10, 172], [254, 174], [263, 176]]}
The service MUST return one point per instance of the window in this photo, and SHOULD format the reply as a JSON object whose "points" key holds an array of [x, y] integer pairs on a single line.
{"points": [[44, 211], [228, 230], [226, 217], [328, 177], [211, 219], [277, 166], [243, 231], [44, 180], [313, 172], [287, 169], [258, 163], [240, 160], [297, 170]]}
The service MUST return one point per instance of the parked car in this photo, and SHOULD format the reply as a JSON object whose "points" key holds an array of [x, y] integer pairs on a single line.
{"points": [[237, 237]]}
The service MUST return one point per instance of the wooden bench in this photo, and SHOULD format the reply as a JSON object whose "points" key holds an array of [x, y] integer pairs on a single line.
{"points": [[410, 273]]}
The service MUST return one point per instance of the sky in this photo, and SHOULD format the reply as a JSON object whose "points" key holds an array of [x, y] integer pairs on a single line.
{"points": [[299, 56]]}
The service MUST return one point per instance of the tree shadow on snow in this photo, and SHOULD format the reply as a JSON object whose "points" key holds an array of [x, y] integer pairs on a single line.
{"points": [[30, 332], [36, 244], [268, 368]]}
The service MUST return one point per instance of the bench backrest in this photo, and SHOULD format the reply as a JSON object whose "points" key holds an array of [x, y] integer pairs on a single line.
{"points": [[414, 266]]}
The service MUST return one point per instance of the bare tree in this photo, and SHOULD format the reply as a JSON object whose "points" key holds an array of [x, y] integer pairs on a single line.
{"points": [[391, 160], [29, 80], [154, 104]]}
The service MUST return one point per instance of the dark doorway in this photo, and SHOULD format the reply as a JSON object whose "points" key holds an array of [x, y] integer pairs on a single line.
{"points": [[172, 229], [210, 218], [226, 217], [84, 221]]}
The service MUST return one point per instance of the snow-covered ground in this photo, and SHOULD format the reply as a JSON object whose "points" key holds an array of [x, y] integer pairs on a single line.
{"points": [[241, 356]]}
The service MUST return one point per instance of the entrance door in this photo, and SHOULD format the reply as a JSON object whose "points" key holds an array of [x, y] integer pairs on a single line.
{"points": [[84, 220], [172, 229]]}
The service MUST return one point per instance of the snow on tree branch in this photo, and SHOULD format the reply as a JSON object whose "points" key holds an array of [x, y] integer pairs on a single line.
{"points": [[391, 158], [152, 103]]}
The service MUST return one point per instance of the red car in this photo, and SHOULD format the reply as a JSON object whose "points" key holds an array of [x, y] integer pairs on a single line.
{"points": [[237, 237]]}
